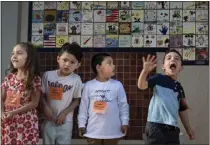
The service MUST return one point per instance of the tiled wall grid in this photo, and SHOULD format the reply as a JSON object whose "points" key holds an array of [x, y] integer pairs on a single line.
{"points": [[128, 67]]}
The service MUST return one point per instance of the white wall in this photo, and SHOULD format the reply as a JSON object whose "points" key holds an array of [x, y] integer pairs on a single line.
{"points": [[10, 31], [195, 81]]}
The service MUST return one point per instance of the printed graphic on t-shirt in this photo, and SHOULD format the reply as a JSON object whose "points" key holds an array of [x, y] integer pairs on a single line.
{"points": [[57, 89]]}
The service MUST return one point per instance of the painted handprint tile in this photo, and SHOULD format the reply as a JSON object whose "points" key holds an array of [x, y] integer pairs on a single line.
{"points": [[163, 28]]}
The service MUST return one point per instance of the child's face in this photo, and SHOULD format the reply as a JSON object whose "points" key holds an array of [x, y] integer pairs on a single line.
{"points": [[172, 64], [107, 67], [19, 57], [67, 63]]}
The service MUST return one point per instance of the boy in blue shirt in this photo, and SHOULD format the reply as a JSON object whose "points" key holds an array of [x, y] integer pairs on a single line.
{"points": [[168, 101]]}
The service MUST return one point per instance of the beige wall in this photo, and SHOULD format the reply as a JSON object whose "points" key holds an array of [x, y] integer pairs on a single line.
{"points": [[195, 80]]}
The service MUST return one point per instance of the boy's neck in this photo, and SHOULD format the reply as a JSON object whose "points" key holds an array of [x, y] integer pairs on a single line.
{"points": [[60, 74], [102, 79], [174, 77]]}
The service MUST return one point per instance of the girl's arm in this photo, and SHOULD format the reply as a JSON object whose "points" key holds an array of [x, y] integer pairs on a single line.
{"points": [[35, 96], [3, 97]]}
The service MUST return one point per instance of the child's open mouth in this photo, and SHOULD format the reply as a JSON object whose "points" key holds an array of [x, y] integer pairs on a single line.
{"points": [[173, 66]]}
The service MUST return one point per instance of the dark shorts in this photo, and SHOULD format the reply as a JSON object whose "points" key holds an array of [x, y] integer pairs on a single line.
{"points": [[157, 133]]}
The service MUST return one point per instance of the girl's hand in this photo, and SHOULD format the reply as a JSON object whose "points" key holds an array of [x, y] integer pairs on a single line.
{"points": [[48, 113], [8, 115], [149, 64]]}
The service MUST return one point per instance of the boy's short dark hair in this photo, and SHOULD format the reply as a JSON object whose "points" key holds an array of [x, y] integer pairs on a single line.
{"points": [[175, 51], [97, 59], [73, 49]]}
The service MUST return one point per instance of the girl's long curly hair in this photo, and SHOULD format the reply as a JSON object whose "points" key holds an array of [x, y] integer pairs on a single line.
{"points": [[31, 65]]}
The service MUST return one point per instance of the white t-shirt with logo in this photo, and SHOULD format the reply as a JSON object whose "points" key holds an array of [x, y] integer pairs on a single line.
{"points": [[72, 88], [108, 124]]}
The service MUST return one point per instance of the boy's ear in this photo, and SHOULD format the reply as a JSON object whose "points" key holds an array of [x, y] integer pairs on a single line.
{"points": [[78, 65], [97, 67], [162, 66], [58, 57]]}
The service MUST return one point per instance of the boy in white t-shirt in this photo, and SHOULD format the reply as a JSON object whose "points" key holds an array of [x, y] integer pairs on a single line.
{"points": [[104, 112], [62, 89]]}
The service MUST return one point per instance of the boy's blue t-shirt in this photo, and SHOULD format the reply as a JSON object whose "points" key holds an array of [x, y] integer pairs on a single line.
{"points": [[165, 103]]}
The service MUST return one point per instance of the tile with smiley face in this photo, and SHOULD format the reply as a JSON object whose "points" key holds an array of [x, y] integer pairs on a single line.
{"points": [[163, 15]]}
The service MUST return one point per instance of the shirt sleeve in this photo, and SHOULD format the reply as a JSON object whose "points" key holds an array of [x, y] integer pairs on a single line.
{"points": [[78, 89], [83, 107], [5, 83], [152, 81], [123, 105], [182, 102]]}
